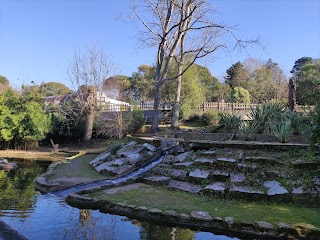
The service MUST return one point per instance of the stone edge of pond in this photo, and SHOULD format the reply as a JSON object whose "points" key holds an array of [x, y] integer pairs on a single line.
{"points": [[197, 220], [8, 233]]}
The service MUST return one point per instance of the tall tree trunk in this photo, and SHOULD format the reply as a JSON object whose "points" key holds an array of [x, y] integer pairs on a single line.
{"points": [[156, 104], [176, 106], [91, 109], [292, 95]]}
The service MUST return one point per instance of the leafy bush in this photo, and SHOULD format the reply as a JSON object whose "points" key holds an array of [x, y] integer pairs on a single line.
{"points": [[231, 122], [315, 125], [211, 118], [299, 122]]}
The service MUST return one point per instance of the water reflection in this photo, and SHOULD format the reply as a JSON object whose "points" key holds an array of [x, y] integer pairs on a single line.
{"points": [[38, 216]]}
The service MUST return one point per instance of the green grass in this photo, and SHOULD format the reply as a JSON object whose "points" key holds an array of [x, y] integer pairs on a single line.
{"points": [[78, 167], [181, 202]]}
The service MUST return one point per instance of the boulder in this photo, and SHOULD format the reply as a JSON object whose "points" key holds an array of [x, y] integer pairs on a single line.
{"points": [[184, 186]]}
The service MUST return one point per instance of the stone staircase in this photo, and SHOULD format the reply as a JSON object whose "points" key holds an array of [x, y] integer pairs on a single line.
{"points": [[233, 173]]}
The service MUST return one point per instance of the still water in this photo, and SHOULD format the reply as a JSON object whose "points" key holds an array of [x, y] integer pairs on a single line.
{"points": [[45, 216]]}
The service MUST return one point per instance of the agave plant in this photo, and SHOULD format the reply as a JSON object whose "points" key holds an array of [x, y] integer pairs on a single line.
{"points": [[299, 122], [265, 115], [282, 130]]}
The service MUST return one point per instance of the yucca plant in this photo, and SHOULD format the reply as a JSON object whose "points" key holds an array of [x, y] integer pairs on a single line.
{"points": [[299, 122], [265, 115], [246, 130], [231, 122], [282, 130]]}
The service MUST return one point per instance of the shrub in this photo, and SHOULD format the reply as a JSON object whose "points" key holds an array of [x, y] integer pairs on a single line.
{"points": [[315, 125], [246, 130], [211, 118], [231, 122], [282, 131], [265, 115]]}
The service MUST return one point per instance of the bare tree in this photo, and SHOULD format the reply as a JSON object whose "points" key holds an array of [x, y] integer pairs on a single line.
{"points": [[168, 22], [86, 72]]}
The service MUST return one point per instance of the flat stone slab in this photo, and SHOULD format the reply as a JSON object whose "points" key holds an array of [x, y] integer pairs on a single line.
{"points": [[227, 160], [184, 186], [150, 147], [99, 159], [119, 162], [220, 176], [237, 177], [179, 174], [121, 170], [124, 152], [157, 180], [201, 215], [181, 157], [124, 188], [204, 162], [274, 188], [134, 158], [182, 165], [216, 189], [198, 175], [302, 164], [103, 166], [245, 190]]}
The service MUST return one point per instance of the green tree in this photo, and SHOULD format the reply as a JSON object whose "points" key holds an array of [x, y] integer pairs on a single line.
{"points": [[299, 64], [4, 84], [241, 95], [237, 75], [54, 89], [23, 120], [118, 87], [308, 84]]}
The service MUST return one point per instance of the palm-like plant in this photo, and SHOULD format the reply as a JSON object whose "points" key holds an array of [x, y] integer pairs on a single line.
{"points": [[282, 130]]}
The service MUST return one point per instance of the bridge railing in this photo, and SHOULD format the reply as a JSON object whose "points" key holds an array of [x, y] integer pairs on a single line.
{"points": [[205, 106]]}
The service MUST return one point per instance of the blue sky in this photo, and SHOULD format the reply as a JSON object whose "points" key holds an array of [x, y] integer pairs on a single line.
{"points": [[38, 37]]}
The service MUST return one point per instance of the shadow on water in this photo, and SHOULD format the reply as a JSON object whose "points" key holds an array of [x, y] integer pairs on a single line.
{"points": [[37, 216]]}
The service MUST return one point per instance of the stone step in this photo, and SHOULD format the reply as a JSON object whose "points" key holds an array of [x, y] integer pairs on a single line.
{"points": [[220, 176], [215, 189], [246, 192], [182, 166], [157, 180], [262, 160], [184, 186], [198, 176], [226, 162], [204, 162]]}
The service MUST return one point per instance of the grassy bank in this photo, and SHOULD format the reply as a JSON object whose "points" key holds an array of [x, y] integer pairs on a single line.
{"points": [[181, 202]]}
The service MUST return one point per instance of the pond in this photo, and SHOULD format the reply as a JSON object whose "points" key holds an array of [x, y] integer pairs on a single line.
{"points": [[45, 216]]}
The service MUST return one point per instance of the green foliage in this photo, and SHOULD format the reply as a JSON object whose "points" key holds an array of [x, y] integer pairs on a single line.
{"points": [[23, 121], [282, 130], [308, 84], [237, 75], [231, 122], [212, 117], [4, 80], [265, 115], [315, 123], [54, 89], [246, 130], [136, 121], [240, 95], [299, 122]]}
